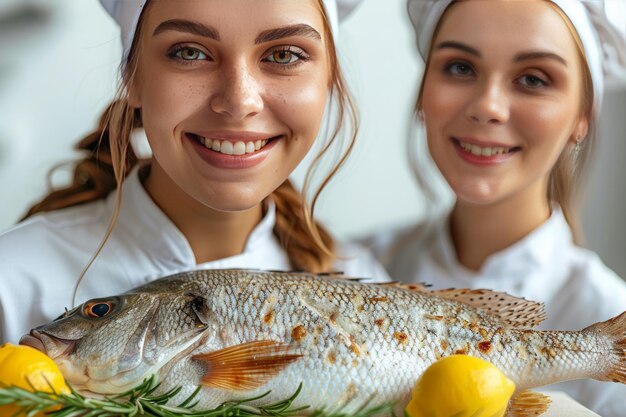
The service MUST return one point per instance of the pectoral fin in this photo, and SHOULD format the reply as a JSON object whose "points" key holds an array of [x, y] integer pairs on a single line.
{"points": [[527, 404], [246, 366]]}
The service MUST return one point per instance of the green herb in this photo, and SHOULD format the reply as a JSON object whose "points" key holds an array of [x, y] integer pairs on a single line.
{"points": [[141, 401]]}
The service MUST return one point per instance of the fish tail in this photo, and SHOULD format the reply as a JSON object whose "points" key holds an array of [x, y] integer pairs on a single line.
{"points": [[615, 330]]}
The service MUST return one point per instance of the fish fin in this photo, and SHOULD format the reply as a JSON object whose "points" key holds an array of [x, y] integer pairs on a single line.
{"points": [[419, 286], [514, 311], [246, 366], [528, 403], [615, 330]]}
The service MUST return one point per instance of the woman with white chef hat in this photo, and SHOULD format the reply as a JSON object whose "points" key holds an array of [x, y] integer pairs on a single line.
{"points": [[508, 105], [231, 94]]}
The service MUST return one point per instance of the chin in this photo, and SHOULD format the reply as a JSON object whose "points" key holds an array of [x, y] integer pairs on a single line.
{"points": [[235, 201], [477, 193]]}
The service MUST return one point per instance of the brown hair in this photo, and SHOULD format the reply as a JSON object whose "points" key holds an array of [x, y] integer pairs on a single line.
{"points": [[110, 158], [566, 177]]}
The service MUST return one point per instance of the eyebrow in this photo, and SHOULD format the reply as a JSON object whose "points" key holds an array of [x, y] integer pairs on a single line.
{"points": [[187, 26], [524, 56], [196, 28], [458, 45], [539, 55], [287, 31]]}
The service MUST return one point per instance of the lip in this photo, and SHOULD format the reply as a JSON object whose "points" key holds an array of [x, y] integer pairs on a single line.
{"points": [[220, 160], [482, 160], [51, 346]]}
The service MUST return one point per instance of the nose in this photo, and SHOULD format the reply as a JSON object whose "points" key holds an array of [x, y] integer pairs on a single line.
{"points": [[239, 93], [490, 103]]}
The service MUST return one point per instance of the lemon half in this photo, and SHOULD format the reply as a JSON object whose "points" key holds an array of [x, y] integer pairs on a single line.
{"points": [[23, 366], [461, 386]]}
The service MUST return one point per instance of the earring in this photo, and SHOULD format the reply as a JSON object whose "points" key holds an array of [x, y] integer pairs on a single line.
{"points": [[577, 147]]}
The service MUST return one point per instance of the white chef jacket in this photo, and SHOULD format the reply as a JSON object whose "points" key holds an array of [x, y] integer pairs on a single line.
{"points": [[546, 266], [42, 257]]}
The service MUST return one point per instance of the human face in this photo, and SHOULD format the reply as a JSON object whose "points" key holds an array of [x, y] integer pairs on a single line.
{"points": [[501, 98], [232, 94]]}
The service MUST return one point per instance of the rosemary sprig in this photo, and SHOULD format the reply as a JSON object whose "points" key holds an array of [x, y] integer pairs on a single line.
{"points": [[141, 401]]}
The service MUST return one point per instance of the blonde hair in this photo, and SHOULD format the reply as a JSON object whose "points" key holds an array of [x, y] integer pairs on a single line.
{"points": [[566, 177], [110, 158]]}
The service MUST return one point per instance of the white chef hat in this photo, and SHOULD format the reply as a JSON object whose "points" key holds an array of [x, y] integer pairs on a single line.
{"points": [[605, 50], [126, 13]]}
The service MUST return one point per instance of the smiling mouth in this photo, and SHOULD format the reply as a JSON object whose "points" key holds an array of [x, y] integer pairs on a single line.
{"points": [[228, 147], [486, 151]]}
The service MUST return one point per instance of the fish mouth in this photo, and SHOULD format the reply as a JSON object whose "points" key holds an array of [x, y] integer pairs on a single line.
{"points": [[52, 346]]}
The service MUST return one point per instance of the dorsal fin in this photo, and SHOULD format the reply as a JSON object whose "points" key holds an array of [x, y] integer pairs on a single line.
{"points": [[514, 311], [419, 286], [246, 366]]}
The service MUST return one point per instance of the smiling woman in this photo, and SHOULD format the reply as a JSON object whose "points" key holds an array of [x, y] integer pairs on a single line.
{"points": [[231, 95], [508, 113]]}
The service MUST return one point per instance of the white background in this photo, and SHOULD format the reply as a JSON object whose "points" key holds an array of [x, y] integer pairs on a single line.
{"points": [[58, 62]]}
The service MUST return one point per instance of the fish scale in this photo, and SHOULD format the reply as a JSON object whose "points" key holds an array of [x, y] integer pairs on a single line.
{"points": [[241, 333]]}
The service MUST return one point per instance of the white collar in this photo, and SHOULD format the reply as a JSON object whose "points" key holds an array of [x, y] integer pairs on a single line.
{"points": [[155, 232], [538, 248]]}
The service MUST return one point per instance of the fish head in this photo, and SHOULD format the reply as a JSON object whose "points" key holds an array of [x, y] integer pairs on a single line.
{"points": [[109, 345]]}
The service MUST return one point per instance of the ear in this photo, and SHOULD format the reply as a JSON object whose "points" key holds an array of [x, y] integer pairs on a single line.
{"points": [[580, 129]]}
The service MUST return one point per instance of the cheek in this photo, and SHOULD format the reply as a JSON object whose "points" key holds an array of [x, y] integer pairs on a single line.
{"points": [[441, 103], [298, 105], [546, 124], [169, 99]]}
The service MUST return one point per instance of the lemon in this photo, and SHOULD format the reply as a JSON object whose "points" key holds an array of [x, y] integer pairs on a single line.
{"points": [[20, 365], [461, 386]]}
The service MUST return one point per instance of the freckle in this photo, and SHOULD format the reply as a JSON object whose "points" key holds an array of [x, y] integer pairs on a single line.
{"points": [[444, 345], [332, 357], [379, 322], [355, 349], [298, 333]]}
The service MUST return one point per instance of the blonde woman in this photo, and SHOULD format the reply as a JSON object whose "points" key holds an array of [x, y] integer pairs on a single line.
{"points": [[508, 103], [231, 94]]}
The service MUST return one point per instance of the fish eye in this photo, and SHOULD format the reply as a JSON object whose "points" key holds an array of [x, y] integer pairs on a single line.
{"points": [[98, 309]]}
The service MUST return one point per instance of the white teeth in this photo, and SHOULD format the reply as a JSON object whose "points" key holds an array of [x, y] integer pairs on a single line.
{"points": [[239, 148], [230, 148], [483, 151], [227, 147]]}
